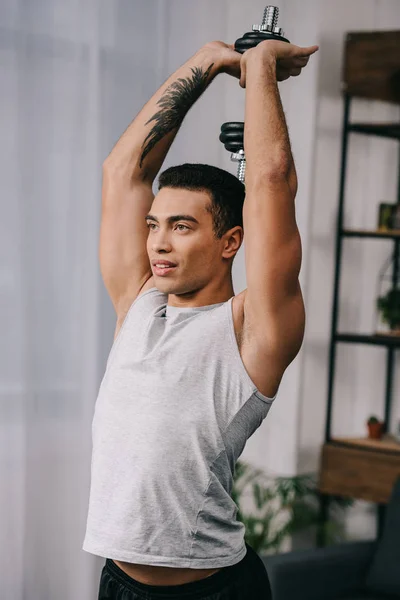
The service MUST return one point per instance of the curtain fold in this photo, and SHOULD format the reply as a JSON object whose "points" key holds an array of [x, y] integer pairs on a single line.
{"points": [[68, 91]]}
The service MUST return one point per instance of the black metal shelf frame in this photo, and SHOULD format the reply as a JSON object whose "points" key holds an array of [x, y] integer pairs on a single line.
{"points": [[378, 235], [390, 130], [387, 130], [374, 340]]}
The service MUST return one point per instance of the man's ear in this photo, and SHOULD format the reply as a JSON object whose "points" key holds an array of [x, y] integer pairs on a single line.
{"points": [[234, 239]]}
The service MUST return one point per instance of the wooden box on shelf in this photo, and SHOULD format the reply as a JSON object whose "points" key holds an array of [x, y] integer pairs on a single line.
{"points": [[386, 231], [360, 468], [372, 65]]}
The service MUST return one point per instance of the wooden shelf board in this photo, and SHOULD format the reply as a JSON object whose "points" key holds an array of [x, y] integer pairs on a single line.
{"points": [[386, 444]]}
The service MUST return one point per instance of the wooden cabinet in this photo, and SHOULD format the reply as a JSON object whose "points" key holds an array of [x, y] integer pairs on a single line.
{"points": [[371, 65], [360, 468]]}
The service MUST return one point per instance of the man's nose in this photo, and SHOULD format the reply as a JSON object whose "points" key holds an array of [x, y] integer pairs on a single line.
{"points": [[161, 245]]}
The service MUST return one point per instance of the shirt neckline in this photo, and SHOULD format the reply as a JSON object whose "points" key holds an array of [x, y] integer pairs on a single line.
{"points": [[176, 310]]}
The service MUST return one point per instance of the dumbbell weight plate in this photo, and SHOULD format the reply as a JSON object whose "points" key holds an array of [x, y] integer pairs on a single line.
{"points": [[232, 136], [253, 38]]}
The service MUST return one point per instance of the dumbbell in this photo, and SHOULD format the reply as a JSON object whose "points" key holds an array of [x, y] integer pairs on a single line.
{"points": [[232, 133]]}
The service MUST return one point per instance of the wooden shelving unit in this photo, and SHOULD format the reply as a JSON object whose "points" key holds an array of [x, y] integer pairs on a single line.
{"points": [[356, 467]]}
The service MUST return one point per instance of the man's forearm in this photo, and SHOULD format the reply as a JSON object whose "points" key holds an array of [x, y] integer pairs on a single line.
{"points": [[266, 138], [141, 150]]}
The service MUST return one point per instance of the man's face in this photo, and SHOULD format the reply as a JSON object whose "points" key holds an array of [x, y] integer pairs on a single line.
{"points": [[190, 245]]}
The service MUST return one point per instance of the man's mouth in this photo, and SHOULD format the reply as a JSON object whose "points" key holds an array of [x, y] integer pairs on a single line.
{"points": [[160, 269]]}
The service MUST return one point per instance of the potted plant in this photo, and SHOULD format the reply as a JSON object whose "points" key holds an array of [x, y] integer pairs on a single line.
{"points": [[389, 306], [375, 428], [283, 507]]}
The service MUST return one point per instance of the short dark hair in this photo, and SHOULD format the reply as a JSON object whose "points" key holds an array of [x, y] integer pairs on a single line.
{"points": [[226, 190]]}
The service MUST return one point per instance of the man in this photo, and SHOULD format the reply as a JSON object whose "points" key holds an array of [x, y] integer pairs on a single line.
{"points": [[193, 369]]}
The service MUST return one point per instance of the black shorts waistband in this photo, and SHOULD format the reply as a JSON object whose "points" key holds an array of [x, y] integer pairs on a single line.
{"points": [[192, 589]]}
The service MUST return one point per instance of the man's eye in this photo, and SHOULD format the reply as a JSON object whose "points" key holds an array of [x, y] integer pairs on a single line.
{"points": [[150, 226]]}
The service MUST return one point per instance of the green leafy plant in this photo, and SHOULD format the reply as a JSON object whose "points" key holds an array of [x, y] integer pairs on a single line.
{"points": [[373, 420], [389, 305], [284, 506]]}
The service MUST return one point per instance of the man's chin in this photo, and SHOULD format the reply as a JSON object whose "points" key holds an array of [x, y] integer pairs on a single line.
{"points": [[168, 287]]}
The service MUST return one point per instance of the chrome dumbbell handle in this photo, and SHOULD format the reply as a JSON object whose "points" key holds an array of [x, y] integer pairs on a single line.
{"points": [[268, 30], [270, 21], [241, 159]]}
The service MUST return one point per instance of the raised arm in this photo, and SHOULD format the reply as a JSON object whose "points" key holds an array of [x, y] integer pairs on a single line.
{"points": [[273, 306], [133, 164]]}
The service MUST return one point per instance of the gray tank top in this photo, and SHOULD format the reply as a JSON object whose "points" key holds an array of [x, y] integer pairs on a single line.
{"points": [[173, 414]]}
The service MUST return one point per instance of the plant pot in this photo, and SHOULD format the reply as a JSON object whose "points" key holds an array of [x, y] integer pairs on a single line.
{"points": [[375, 430]]}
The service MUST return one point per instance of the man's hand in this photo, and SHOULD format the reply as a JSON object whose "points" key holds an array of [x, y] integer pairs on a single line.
{"points": [[288, 59], [225, 56]]}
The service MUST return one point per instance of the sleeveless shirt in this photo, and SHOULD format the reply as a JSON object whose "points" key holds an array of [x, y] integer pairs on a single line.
{"points": [[173, 413]]}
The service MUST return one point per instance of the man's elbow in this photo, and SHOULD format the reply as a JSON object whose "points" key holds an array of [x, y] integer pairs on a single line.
{"points": [[277, 170]]}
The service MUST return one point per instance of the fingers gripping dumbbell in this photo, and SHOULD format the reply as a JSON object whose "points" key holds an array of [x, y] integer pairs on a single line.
{"points": [[232, 133]]}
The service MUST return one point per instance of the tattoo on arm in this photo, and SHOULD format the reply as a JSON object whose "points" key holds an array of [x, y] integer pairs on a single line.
{"points": [[175, 103]]}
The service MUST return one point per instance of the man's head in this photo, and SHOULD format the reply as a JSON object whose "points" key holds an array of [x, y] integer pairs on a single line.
{"points": [[204, 249]]}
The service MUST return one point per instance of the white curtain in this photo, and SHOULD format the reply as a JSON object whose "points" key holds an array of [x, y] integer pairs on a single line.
{"points": [[73, 75]]}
